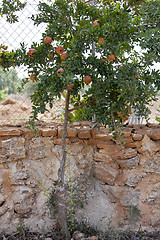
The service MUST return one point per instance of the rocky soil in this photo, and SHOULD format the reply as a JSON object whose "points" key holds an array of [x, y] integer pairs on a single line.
{"points": [[17, 109], [111, 235]]}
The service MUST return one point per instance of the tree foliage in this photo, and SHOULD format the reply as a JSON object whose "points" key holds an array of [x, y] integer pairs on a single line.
{"points": [[128, 80], [9, 81], [7, 58], [8, 9]]}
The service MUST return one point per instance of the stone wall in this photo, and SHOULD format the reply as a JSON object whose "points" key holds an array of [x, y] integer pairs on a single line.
{"points": [[125, 186]]}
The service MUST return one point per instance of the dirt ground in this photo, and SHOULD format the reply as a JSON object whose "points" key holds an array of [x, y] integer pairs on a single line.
{"points": [[87, 236], [17, 109]]}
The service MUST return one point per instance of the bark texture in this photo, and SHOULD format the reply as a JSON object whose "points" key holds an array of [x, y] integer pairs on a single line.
{"points": [[61, 193]]}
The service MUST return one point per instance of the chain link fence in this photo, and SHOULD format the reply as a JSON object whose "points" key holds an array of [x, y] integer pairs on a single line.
{"points": [[16, 107]]}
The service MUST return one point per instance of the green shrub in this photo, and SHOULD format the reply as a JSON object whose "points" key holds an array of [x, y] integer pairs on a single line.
{"points": [[3, 94]]}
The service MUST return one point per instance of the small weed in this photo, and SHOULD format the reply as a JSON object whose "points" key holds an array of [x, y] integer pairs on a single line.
{"points": [[52, 202], [22, 229], [86, 228], [76, 187], [134, 213], [46, 193]]}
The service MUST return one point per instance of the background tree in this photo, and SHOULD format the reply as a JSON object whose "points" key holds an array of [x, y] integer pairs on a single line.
{"points": [[9, 81], [94, 46]]}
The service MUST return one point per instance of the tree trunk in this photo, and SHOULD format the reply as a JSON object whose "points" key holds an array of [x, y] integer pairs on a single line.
{"points": [[61, 193]]}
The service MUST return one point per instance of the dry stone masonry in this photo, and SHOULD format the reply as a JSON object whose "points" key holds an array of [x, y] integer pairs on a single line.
{"points": [[125, 181]]}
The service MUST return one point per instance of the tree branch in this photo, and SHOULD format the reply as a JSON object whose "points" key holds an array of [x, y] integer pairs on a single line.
{"points": [[64, 153], [83, 105]]}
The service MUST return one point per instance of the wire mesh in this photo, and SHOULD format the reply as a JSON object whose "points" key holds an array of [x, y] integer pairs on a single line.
{"points": [[153, 114], [16, 107]]}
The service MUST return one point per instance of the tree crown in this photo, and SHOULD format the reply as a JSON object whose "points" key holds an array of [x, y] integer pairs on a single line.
{"points": [[95, 46]]}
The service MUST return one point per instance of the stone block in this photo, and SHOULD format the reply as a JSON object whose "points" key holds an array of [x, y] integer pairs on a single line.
{"points": [[137, 137], [23, 200], [75, 124], [105, 173], [60, 132], [92, 141], [76, 139], [21, 175], [103, 137], [111, 150], [2, 199], [3, 210], [40, 148], [127, 153], [129, 143], [126, 133], [83, 155], [86, 124], [78, 235], [10, 132], [94, 132], [13, 149], [101, 157], [72, 132], [76, 148], [37, 149], [130, 177], [48, 132], [124, 137], [58, 141], [102, 130], [154, 134], [151, 164], [133, 181], [84, 134], [148, 146], [128, 163], [138, 145], [30, 133], [109, 146], [7, 183]]}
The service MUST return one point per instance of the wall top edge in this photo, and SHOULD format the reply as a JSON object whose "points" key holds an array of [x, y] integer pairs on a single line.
{"points": [[48, 129]]}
